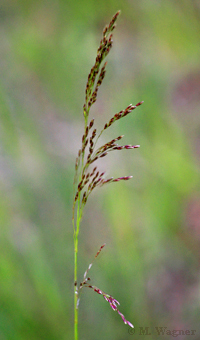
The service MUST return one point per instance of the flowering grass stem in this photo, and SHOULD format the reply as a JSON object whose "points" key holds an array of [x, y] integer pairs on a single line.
{"points": [[86, 180]]}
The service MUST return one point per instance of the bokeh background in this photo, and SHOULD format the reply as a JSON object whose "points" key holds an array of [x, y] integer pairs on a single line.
{"points": [[151, 224]]}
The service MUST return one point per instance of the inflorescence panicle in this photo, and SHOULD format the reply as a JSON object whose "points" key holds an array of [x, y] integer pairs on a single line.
{"points": [[85, 181], [89, 138], [87, 176]]}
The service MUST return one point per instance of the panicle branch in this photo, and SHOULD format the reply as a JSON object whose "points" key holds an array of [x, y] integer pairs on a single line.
{"points": [[113, 302], [121, 114]]}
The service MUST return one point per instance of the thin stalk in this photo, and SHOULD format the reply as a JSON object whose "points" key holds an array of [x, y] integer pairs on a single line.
{"points": [[76, 226], [75, 289]]}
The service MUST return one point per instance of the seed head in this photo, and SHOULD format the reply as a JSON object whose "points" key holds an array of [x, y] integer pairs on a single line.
{"points": [[91, 124]]}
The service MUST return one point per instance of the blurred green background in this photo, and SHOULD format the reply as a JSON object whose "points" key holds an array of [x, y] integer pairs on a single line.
{"points": [[151, 224]]}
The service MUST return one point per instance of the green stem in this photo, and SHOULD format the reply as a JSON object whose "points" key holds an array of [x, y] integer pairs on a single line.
{"points": [[75, 289], [76, 233], [76, 225]]}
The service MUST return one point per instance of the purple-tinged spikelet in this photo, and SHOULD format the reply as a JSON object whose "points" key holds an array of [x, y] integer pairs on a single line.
{"points": [[113, 303]]}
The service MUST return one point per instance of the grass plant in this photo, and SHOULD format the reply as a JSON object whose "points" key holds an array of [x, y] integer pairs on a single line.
{"points": [[87, 176]]}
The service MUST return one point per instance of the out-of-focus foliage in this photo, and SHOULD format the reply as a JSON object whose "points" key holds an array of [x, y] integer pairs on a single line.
{"points": [[150, 224]]}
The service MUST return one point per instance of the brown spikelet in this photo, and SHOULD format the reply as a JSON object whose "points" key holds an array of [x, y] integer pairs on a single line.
{"points": [[103, 154], [84, 198], [84, 145], [76, 197], [140, 103], [107, 180], [90, 161], [91, 124], [93, 171], [100, 249], [90, 265], [125, 178]]}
